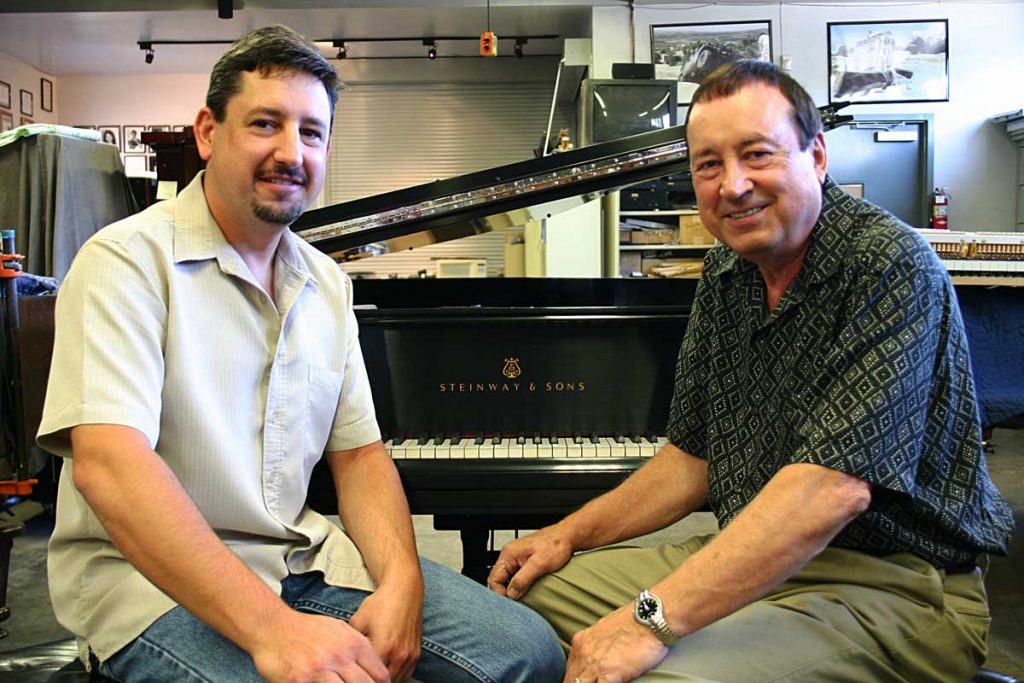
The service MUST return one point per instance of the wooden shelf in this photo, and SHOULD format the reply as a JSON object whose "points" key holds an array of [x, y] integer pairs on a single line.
{"points": [[987, 280], [665, 247], [665, 212]]}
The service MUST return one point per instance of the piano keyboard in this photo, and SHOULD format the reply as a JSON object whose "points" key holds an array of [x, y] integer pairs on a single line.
{"points": [[525, 447], [994, 254]]}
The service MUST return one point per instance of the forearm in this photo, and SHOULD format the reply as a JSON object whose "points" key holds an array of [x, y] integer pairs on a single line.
{"points": [[667, 488], [792, 520], [375, 513], [156, 526]]}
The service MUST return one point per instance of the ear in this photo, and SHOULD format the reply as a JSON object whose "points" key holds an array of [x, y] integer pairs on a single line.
{"points": [[204, 130], [820, 156]]}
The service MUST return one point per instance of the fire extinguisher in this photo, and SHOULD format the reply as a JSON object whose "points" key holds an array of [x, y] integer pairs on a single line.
{"points": [[940, 209]]}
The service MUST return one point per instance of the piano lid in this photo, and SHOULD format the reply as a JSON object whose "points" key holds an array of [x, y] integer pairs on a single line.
{"points": [[515, 192], [504, 196]]}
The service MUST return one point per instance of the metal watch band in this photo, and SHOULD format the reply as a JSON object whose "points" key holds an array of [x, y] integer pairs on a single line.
{"points": [[656, 622]]}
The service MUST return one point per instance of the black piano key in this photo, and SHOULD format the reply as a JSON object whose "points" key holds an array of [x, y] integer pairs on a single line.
{"points": [[553, 439], [636, 438], [578, 438], [496, 439], [520, 440], [619, 438], [538, 439], [479, 440], [595, 439], [423, 440]]}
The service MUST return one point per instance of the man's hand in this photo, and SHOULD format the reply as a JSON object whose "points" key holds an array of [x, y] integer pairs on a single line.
{"points": [[615, 649], [302, 648], [392, 618], [526, 559]]}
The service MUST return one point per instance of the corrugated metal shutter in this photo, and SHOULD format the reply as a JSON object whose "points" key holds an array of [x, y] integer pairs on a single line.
{"points": [[390, 136]]}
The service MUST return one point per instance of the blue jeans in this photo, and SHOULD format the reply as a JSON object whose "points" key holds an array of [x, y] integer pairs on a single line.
{"points": [[469, 634]]}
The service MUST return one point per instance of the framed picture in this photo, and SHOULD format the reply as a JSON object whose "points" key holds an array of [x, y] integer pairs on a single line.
{"points": [[45, 94], [5, 95], [890, 61], [689, 52], [162, 129], [27, 106], [6, 121], [110, 135], [135, 164], [133, 139], [25, 121]]}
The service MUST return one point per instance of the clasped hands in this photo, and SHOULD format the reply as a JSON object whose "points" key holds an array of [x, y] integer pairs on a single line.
{"points": [[615, 649]]}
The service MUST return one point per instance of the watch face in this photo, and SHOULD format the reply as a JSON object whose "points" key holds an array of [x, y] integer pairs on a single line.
{"points": [[646, 608]]}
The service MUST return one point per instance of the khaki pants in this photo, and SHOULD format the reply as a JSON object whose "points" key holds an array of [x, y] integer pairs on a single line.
{"points": [[846, 616]]}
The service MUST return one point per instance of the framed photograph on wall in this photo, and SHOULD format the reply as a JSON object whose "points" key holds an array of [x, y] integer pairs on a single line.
{"points": [[689, 52], [888, 61], [110, 135], [27, 106], [46, 94], [135, 164], [5, 95], [132, 140], [6, 121]]}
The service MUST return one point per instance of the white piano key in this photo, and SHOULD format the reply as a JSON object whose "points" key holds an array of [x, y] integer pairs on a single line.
{"points": [[573, 449], [427, 450], [501, 448], [589, 448], [487, 449], [442, 450], [605, 447], [471, 450], [458, 448], [632, 448], [647, 448], [516, 449], [544, 449], [558, 448], [412, 449], [530, 449]]}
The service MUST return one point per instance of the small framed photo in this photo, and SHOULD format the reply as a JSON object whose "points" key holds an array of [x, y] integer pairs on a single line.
{"points": [[178, 129], [135, 164], [133, 139], [162, 129], [689, 52], [6, 121], [46, 94], [5, 95], [25, 121], [27, 106], [890, 61], [111, 135]]}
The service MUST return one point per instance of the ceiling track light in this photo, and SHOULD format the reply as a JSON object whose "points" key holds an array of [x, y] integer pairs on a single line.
{"points": [[148, 48], [431, 45], [518, 49], [225, 9], [342, 50]]}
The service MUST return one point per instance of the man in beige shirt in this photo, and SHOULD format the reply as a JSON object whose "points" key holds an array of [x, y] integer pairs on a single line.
{"points": [[205, 360]]}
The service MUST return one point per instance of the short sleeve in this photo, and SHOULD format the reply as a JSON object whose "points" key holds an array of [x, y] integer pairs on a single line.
{"points": [[872, 391], [355, 422], [107, 360], [687, 421]]}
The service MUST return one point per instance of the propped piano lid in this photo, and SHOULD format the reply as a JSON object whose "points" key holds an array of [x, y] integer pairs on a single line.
{"points": [[464, 199]]}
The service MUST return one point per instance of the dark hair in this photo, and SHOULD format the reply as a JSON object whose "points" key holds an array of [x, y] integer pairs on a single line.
{"points": [[730, 78], [267, 50]]}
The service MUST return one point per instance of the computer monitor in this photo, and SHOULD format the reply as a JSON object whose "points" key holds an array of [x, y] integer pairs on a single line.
{"points": [[616, 108]]}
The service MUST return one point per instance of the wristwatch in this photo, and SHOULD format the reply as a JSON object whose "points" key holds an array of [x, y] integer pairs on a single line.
{"points": [[647, 611]]}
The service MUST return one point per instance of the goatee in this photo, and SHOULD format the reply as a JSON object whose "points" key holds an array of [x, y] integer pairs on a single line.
{"points": [[285, 215]]}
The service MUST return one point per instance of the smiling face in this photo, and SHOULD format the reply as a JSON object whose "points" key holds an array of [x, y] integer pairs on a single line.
{"points": [[266, 159], [757, 191]]}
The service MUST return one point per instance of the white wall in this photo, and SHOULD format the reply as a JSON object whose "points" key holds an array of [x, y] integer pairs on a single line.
{"points": [[20, 76], [974, 158], [132, 100]]}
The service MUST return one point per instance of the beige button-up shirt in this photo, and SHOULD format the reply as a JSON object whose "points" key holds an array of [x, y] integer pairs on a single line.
{"points": [[161, 327]]}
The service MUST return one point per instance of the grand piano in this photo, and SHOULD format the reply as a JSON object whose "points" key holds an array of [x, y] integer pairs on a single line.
{"points": [[507, 403]]}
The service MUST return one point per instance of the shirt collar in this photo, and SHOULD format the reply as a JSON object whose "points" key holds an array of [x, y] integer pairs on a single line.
{"points": [[197, 237]]}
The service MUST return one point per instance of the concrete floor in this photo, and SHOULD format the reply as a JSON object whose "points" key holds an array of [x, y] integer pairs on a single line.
{"points": [[32, 621]]}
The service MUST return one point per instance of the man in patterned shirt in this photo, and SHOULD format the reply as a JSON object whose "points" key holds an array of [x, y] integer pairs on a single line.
{"points": [[824, 410]]}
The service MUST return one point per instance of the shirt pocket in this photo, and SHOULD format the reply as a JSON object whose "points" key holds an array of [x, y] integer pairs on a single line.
{"points": [[323, 392]]}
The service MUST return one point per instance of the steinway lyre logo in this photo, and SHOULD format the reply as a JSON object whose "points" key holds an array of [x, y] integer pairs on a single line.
{"points": [[511, 369]]}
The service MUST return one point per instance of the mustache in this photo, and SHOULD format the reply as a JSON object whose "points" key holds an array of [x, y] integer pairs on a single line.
{"points": [[282, 171]]}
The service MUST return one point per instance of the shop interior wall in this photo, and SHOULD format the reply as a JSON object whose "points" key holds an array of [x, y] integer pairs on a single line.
{"points": [[20, 76], [974, 157]]}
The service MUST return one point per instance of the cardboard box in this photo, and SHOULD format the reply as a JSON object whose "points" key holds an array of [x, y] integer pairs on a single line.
{"points": [[692, 231], [652, 236]]}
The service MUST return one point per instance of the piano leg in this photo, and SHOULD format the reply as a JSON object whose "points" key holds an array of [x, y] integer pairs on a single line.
{"points": [[477, 559]]}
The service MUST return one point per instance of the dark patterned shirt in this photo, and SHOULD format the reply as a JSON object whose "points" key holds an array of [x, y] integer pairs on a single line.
{"points": [[862, 367]]}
